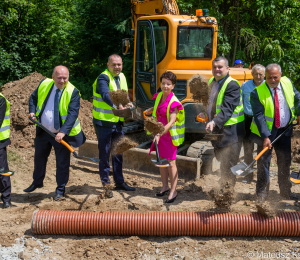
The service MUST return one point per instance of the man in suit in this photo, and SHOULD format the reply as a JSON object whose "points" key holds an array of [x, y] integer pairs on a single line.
{"points": [[55, 103], [108, 127], [5, 184], [226, 116], [275, 104]]}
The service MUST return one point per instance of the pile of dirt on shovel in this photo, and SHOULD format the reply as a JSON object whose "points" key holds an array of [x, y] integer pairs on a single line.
{"points": [[22, 130], [200, 89], [153, 127], [123, 145], [119, 97]]}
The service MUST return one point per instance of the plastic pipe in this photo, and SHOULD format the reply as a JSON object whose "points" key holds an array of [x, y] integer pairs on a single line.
{"points": [[163, 223]]}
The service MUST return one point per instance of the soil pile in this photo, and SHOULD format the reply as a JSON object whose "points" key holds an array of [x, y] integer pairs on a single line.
{"points": [[200, 89], [153, 127], [296, 144], [223, 198], [123, 145], [119, 97], [22, 130], [266, 209]]}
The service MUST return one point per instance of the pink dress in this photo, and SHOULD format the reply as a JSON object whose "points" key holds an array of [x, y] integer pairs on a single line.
{"points": [[165, 146]]}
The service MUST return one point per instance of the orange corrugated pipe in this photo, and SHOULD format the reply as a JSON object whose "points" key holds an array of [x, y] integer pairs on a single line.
{"points": [[163, 223]]}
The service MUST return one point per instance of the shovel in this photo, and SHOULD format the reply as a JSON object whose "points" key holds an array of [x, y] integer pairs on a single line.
{"points": [[242, 169], [294, 178], [159, 162], [209, 136], [62, 141], [123, 112]]}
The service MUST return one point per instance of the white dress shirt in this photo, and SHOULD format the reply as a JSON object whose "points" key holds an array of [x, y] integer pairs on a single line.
{"points": [[47, 118], [284, 110]]}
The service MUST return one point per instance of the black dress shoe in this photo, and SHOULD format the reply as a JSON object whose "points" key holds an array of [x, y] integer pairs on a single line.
{"points": [[160, 194], [7, 204], [289, 197], [124, 186], [171, 200], [59, 196], [33, 187]]}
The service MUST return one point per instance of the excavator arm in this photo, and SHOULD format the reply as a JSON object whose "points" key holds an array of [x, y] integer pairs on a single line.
{"points": [[152, 7]]}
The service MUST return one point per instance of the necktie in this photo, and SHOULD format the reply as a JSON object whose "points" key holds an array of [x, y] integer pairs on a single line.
{"points": [[56, 110], [117, 81], [277, 113]]}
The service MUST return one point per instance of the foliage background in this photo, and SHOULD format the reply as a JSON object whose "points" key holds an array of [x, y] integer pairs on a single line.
{"points": [[36, 35]]}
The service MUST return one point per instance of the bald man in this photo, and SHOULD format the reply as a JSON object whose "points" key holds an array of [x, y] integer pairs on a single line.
{"points": [[55, 104]]}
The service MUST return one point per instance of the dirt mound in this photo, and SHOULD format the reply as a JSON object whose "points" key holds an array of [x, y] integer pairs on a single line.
{"points": [[119, 97], [22, 130], [153, 127], [123, 145], [223, 198], [200, 89], [296, 144], [266, 209]]}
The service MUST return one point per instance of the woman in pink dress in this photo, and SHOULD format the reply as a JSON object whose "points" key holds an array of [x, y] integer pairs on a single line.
{"points": [[170, 113]]}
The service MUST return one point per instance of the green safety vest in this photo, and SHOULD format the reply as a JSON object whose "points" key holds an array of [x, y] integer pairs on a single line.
{"points": [[64, 102], [178, 129], [101, 110], [265, 98], [238, 113], [5, 127]]}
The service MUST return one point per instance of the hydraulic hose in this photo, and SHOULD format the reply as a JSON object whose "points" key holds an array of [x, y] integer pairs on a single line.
{"points": [[163, 223]]}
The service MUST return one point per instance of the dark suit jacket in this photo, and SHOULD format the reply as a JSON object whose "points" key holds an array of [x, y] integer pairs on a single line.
{"points": [[233, 133], [259, 117], [5, 142], [73, 112]]}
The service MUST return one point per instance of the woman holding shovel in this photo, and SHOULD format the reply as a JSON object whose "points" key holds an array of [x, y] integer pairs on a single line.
{"points": [[168, 110]]}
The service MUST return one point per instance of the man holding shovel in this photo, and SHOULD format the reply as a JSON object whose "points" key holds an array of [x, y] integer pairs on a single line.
{"points": [[55, 104], [108, 127], [226, 117], [275, 104]]}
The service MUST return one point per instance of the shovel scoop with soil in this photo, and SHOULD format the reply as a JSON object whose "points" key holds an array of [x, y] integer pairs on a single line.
{"points": [[200, 89], [153, 127], [118, 97]]}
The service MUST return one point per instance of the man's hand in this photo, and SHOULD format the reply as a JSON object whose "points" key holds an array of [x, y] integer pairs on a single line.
{"points": [[210, 126], [267, 142], [121, 107], [32, 115], [130, 105], [298, 120], [59, 137]]}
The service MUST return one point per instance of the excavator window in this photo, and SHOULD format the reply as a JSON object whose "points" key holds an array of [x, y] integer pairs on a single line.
{"points": [[161, 30], [194, 42]]}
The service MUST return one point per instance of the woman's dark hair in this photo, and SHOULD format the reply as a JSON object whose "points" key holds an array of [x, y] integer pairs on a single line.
{"points": [[170, 76]]}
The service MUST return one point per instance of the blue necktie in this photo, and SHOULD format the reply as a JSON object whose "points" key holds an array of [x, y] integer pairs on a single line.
{"points": [[56, 110], [116, 78]]}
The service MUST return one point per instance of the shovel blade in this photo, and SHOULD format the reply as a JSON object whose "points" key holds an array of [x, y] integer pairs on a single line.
{"points": [[122, 113], [212, 137], [162, 163], [240, 170], [294, 178]]}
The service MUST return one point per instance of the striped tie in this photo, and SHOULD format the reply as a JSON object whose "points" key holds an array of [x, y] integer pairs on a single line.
{"points": [[277, 113]]}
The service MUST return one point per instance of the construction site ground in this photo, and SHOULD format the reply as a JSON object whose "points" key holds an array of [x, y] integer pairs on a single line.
{"points": [[84, 192]]}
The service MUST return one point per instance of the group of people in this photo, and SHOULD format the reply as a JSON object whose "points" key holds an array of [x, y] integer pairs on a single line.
{"points": [[257, 112]]}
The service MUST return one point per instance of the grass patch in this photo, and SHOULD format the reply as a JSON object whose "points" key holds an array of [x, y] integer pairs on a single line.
{"points": [[13, 156]]}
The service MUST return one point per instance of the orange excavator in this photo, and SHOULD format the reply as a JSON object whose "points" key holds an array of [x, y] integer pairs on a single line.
{"points": [[186, 45]]}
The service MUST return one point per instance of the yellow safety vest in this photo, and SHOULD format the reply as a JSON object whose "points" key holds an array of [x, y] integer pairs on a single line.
{"points": [[5, 127], [178, 129], [238, 113], [101, 110], [64, 102], [265, 98]]}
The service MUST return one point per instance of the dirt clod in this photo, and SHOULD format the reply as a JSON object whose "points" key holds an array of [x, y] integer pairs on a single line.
{"points": [[153, 127], [123, 145], [223, 198], [119, 96], [200, 89]]}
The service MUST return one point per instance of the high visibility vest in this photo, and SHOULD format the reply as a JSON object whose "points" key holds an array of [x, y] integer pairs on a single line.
{"points": [[238, 113], [178, 129], [64, 102], [101, 110], [5, 127], [265, 98]]}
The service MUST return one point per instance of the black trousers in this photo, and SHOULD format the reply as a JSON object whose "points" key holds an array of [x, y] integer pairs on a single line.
{"points": [[283, 153], [248, 144], [228, 156], [5, 185], [43, 145]]}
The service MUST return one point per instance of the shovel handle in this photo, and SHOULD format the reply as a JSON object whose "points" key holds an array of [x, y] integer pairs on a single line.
{"points": [[67, 145], [202, 120], [145, 114], [157, 153], [261, 153]]}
